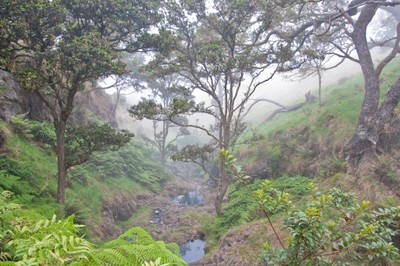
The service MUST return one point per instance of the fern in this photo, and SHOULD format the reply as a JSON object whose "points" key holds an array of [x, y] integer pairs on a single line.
{"points": [[7, 180], [7, 263], [137, 247], [55, 242], [157, 262], [48, 242], [5, 205]]}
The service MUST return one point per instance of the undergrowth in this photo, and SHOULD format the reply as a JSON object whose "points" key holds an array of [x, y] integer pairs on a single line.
{"points": [[243, 207]]}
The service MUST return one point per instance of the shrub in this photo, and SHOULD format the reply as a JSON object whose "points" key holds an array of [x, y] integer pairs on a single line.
{"points": [[331, 229], [136, 247], [56, 242], [295, 185]]}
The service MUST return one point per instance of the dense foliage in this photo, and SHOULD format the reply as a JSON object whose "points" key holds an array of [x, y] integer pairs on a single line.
{"points": [[333, 228], [28, 169], [57, 242], [243, 207], [133, 161], [81, 142]]}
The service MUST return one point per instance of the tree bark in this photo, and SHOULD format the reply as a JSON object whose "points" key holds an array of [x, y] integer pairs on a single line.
{"points": [[223, 181], [62, 171], [223, 184], [362, 145], [319, 85]]}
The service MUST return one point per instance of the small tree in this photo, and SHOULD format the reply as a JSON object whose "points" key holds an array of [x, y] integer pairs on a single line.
{"points": [[164, 91]]}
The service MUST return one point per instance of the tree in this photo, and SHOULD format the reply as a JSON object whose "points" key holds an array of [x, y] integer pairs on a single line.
{"points": [[58, 48], [348, 24], [82, 142], [133, 80], [164, 91], [226, 51], [320, 59], [374, 115]]}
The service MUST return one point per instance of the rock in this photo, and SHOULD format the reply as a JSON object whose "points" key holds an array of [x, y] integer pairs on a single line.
{"points": [[115, 209], [15, 100], [157, 216]]}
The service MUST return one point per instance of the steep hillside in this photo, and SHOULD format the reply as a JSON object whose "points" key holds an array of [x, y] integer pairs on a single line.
{"points": [[293, 149], [311, 141], [101, 193]]}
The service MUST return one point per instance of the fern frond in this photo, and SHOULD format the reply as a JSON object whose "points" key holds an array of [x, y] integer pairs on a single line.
{"points": [[7, 263], [138, 246], [137, 235], [110, 257]]}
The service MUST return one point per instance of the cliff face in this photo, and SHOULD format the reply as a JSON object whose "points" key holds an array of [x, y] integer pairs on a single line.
{"points": [[89, 106], [14, 100]]}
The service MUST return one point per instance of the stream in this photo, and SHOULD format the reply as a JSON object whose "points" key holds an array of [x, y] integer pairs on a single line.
{"points": [[192, 251], [175, 217]]}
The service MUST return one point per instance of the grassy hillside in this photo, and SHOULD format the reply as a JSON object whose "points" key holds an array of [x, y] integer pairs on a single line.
{"points": [[311, 139], [109, 179]]}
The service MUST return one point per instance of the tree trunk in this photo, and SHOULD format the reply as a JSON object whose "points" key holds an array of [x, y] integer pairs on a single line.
{"points": [[223, 181], [222, 188], [60, 149], [362, 145], [319, 85]]}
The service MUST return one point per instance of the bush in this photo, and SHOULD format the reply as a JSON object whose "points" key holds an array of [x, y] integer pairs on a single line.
{"points": [[42, 132], [331, 229], [56, 242], [332, 166]]}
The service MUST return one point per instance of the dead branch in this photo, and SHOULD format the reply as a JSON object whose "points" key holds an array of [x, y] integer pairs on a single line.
{"points": [[309, 99]]}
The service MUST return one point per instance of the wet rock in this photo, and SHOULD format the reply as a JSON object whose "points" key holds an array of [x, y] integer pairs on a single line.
{"points": [[157, 217], [192, 198]]}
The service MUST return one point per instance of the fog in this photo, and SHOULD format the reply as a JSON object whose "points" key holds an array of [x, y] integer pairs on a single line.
{"points": [[283, 88]]}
